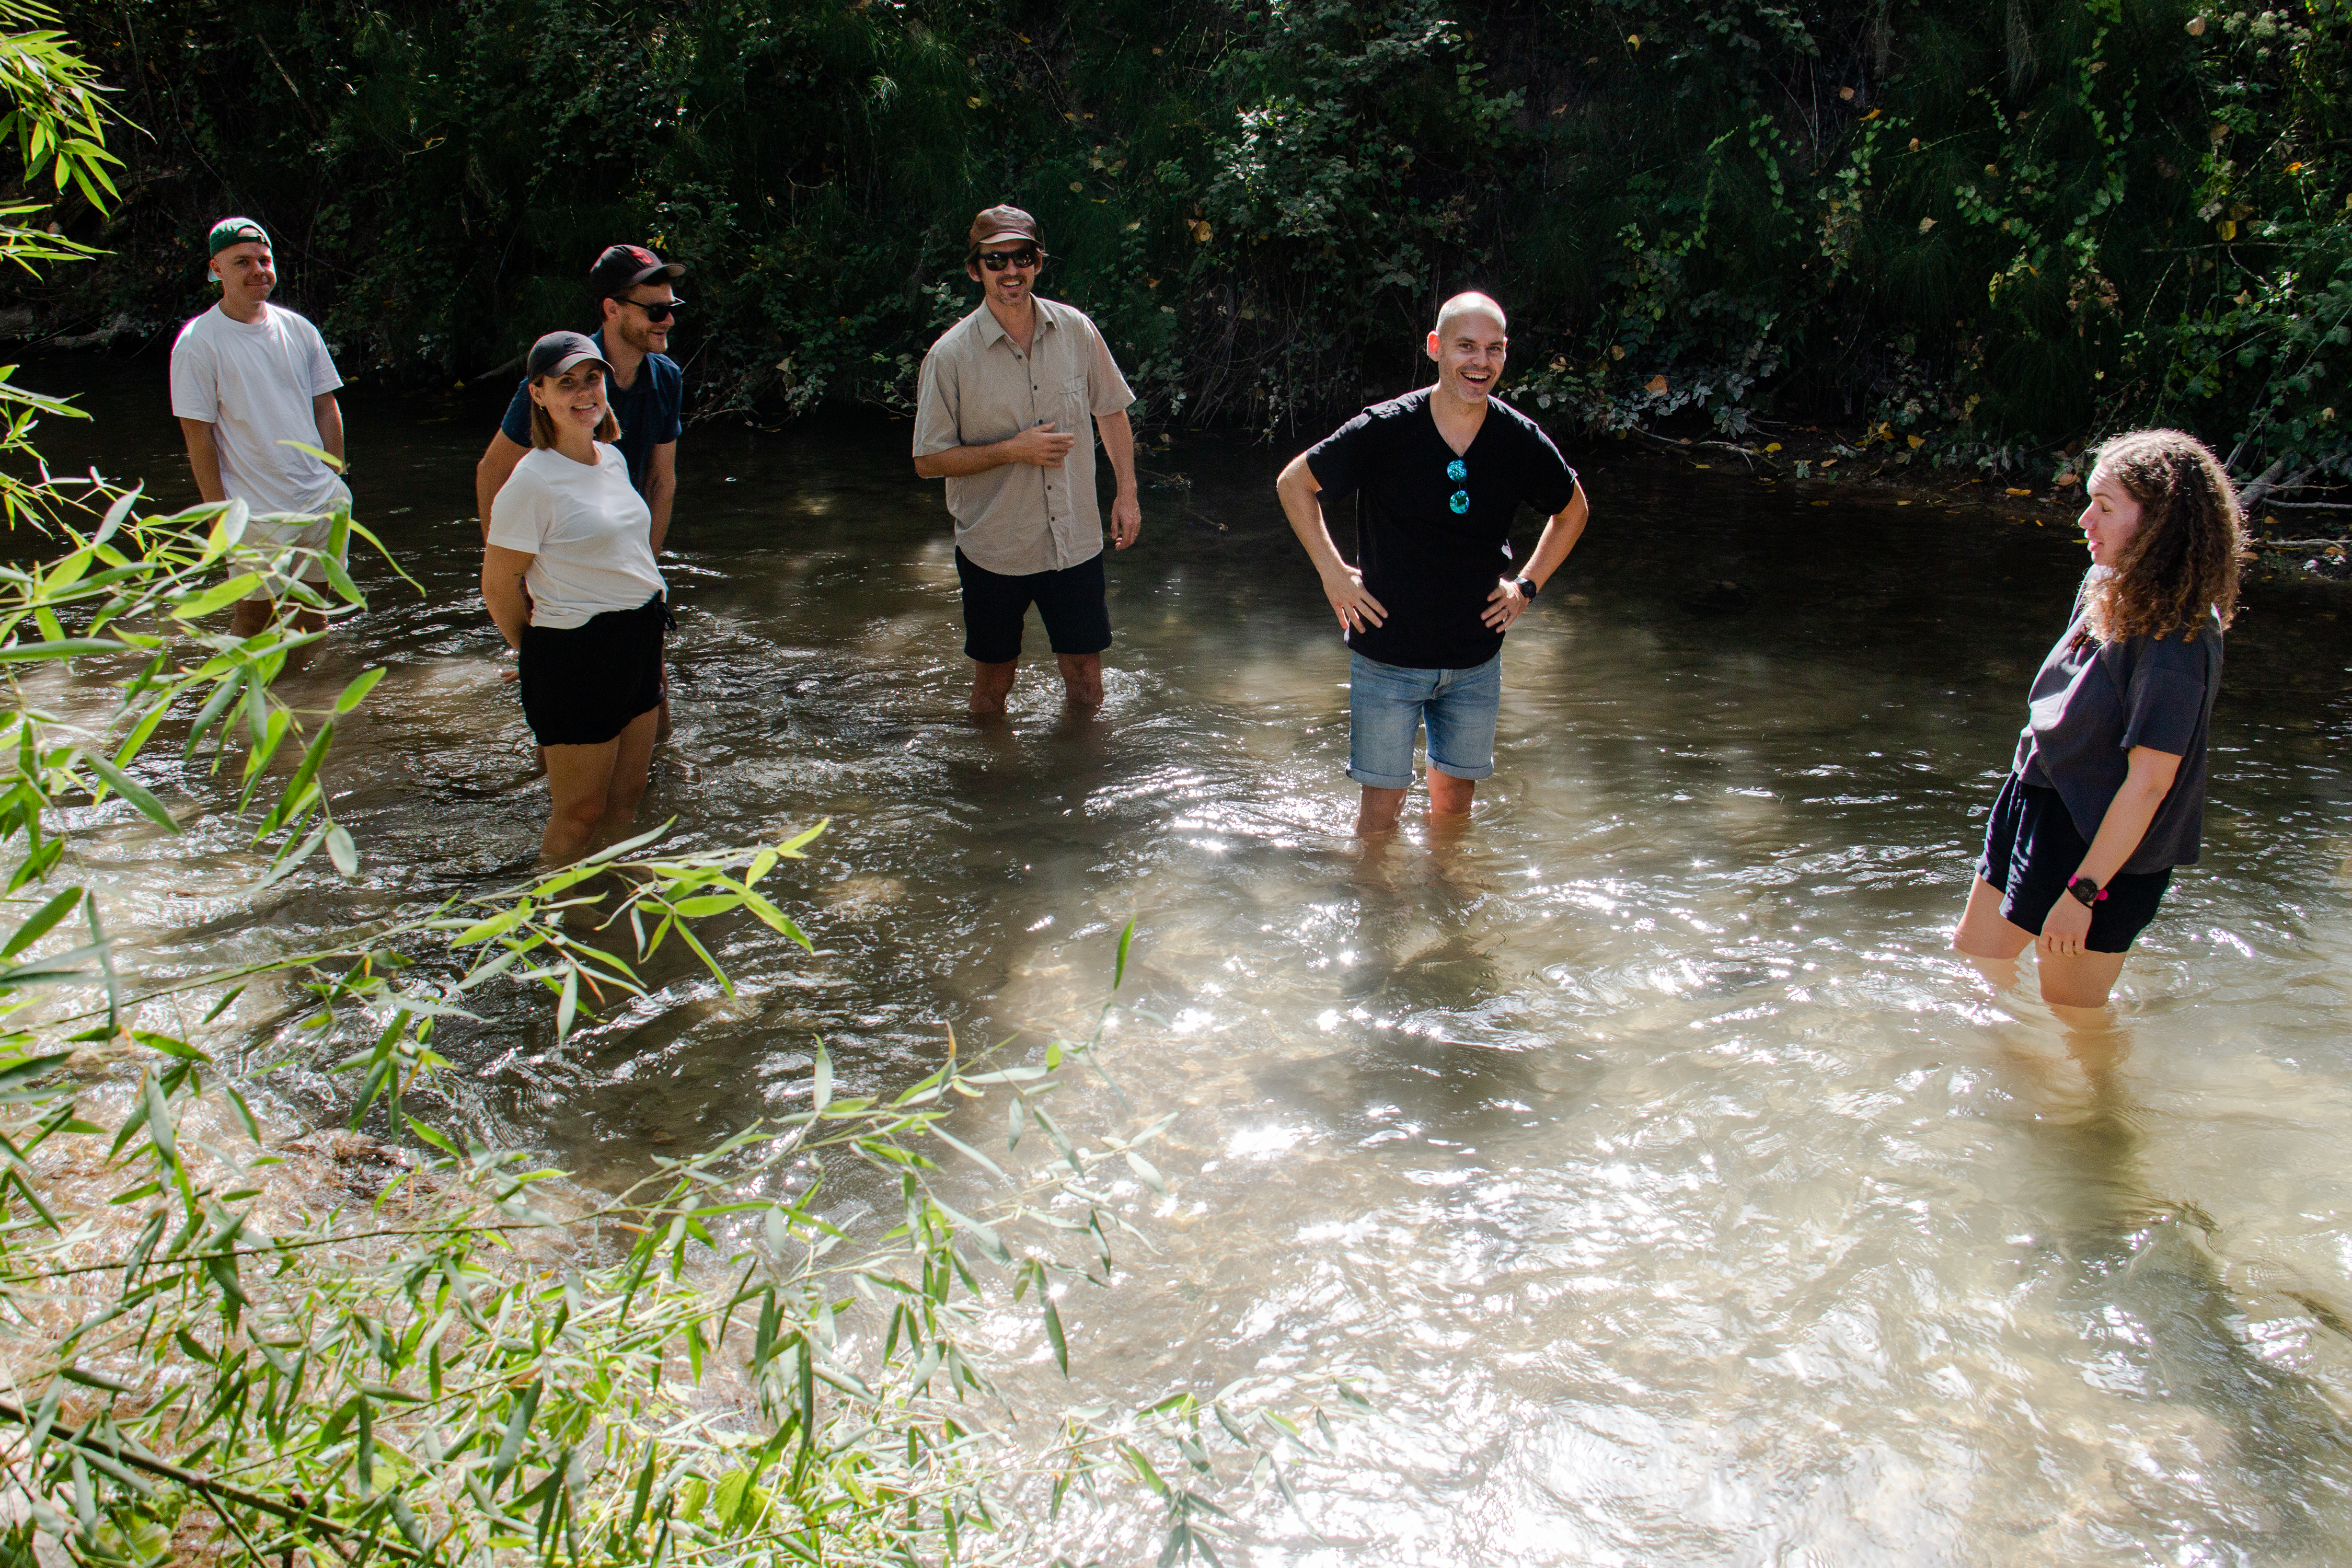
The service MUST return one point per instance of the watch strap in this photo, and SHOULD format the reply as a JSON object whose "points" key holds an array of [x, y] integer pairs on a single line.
{"points": [[1526, 586], [2085, 891]]}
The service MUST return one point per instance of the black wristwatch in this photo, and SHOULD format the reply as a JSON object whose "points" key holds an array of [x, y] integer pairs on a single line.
{"points": [[1526, 587], [2086, 892]]}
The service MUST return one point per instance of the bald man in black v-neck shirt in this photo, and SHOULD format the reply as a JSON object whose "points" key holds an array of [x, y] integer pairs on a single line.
{"points": [[1441, 471]]}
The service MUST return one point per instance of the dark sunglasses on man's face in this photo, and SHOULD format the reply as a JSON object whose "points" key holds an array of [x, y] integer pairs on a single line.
{"points": [[998, 260], [657, 310]]}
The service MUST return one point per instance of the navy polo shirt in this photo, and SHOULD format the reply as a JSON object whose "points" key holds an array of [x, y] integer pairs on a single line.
{"points": [[648, 410]]}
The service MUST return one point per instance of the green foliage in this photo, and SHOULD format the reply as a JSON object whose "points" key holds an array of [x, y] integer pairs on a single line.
{"points": [[464, 1361], [56, 116], [702, 1365], [1985, 226]]}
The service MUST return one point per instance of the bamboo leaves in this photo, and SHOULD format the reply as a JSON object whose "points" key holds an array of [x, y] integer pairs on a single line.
{"points": [[470, 1359]]}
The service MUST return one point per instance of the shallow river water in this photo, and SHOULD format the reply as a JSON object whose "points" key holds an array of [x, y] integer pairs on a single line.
{"points": [[1673, 1194]]}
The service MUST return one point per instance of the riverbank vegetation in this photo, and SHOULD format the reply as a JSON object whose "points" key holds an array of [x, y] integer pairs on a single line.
{"points": [[1974, 235]]}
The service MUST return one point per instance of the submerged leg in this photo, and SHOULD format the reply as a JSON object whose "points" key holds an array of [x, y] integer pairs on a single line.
{"points": [[2078, 984], [1449, 796], [579, 784], [1987, 939], [1379, 811], [991, 684], [1082, 677]]}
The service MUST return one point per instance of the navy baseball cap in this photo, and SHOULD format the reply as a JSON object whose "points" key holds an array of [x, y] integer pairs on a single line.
{"points": [[559, 351], [623, 267]]}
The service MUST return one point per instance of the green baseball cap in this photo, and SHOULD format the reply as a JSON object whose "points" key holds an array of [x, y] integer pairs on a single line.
{"points": [[236, 231]]}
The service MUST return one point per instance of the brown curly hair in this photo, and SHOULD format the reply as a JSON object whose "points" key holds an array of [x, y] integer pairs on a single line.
{"points": [[2184, 556]]}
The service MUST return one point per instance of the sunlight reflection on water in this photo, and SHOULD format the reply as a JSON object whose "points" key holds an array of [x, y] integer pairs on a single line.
{"points": [[1640, 1152]]}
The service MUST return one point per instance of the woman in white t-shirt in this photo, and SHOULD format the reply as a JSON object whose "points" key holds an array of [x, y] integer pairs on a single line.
{"points": [[570, 528]]}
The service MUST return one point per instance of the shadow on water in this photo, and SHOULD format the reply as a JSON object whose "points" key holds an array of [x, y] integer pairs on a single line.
{"points": [[1638, 1149]]}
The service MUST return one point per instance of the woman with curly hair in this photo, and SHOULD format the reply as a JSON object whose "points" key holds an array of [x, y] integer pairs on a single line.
{"points": [[2108, 792]]}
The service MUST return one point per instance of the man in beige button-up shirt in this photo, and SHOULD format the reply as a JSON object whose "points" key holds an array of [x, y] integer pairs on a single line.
{"points": [[1000, 414]]}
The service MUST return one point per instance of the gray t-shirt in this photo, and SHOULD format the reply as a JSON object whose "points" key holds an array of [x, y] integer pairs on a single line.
{"points": [[2093, 703]]}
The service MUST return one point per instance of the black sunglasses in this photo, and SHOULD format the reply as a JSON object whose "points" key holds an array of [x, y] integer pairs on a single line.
{"points": [[656, 310], [997, 260]]}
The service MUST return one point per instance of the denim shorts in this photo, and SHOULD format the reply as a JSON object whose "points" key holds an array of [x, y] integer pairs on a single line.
{"points": [[1387, 703]]}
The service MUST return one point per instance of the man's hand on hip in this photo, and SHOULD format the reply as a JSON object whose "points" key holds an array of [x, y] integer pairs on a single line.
{"points": [[1357, 610], [1126, 520], [1504, 606], [1041, 445]]}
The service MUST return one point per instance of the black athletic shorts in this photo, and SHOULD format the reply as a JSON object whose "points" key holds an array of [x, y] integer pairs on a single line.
{"points": [[582, 685], [1070, 602], [2032, 851]]}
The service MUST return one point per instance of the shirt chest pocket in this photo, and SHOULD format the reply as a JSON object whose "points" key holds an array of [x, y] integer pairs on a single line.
{"points": [[1074, 402]]}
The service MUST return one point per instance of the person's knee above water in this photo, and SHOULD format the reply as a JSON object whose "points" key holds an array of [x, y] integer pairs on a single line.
{"points": [[568, 573], [248, 378], [2106, 792], [635, 295], [1002, 410], [1439, 475]]}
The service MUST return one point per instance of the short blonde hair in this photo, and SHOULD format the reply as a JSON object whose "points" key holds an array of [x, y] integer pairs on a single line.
{"points": [[542, 424]]}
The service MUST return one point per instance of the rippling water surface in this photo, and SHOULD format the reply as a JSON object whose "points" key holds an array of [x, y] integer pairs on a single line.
{"points": [[1672, 1192]]}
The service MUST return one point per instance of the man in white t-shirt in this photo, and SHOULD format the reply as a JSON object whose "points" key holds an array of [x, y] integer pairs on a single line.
{"points": [[248, 376]]}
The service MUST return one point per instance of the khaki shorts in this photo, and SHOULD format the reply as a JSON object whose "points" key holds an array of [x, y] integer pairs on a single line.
{"points": [[275, 536]]}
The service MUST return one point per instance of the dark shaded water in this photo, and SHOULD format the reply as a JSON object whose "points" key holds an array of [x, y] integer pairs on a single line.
{"points": [[1673, 1194]]}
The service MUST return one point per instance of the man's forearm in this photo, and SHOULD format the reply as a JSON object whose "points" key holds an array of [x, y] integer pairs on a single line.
{"points": [[203, 460], [1559, 537], [962, 462], [1300, 505], [659, 493], [330, 426], [1118, 445], [498, 465]]}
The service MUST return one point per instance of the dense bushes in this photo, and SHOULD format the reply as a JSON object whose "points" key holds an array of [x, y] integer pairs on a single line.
{"points": [[1981, 226]]}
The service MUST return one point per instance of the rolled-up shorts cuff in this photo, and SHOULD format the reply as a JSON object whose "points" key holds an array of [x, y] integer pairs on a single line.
{"points": [[1389, 704]]}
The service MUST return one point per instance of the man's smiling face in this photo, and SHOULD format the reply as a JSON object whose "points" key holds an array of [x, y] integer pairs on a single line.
{"points": [[247, 272], [1010, 287], [628, 319], [1470, 356]]}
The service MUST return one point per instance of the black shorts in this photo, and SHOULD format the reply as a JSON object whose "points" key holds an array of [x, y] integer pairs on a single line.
{"points": [[1071, 602], [2032, 850], [582, 685]]}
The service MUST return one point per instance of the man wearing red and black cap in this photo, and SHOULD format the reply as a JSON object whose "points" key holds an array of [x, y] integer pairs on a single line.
{"points": [[633, 293], [1001, 414]]}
